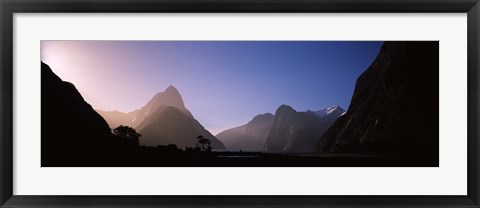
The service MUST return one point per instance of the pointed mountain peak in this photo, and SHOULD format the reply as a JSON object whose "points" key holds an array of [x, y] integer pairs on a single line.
{"points": [[170, 97], [171, 89]]}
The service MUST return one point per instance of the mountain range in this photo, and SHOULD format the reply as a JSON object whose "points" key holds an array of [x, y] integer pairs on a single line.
{"points": [[286, 131], [163, 120]]}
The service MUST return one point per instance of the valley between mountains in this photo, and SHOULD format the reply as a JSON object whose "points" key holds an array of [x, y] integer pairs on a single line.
{"points": [[392, 121], [164, 120]]}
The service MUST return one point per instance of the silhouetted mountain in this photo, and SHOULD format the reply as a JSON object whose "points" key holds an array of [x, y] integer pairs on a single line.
{"points": [[247, 137], [150, 121], [71, 129], [395, 106], [170, 97], [293, 131], [162, 127]]}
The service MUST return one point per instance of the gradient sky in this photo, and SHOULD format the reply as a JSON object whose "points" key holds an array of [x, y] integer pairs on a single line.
{"points": [[223, 83]]}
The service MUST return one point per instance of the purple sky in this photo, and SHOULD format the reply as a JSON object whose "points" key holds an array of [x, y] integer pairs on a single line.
{"points": [[223, 83]]}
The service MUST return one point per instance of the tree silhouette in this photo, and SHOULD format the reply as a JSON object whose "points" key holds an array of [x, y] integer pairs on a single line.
{"points": [[128, 133], [202, 141]]}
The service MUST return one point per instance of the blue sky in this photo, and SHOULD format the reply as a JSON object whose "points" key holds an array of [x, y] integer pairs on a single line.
{"points": [[223, 83]]}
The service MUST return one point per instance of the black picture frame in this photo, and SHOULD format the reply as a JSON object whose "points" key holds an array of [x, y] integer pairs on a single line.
{"points": [[9, 7]]}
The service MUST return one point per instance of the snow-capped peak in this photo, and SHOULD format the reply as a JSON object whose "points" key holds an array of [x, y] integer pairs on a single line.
{"points": [[332, 110]]}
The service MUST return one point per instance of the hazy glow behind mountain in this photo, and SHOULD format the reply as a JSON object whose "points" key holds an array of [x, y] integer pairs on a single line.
{"points": [[223, 83]]}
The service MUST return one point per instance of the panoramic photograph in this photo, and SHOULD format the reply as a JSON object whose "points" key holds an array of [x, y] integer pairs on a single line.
{"points": [[239, 103]]}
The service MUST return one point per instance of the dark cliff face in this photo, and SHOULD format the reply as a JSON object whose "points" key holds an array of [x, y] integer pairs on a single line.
{"points": [[395, 106], [71, 129]]}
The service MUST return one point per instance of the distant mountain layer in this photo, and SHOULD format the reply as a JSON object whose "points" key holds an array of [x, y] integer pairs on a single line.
{"points": [[248, 137], [286, 131], [71, 129], [293, 131], [163, 120], [395, 105]]}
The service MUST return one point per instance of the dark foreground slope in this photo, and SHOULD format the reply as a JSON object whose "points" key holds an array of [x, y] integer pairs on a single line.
{"points": [[395, 107], [71, 129]]}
